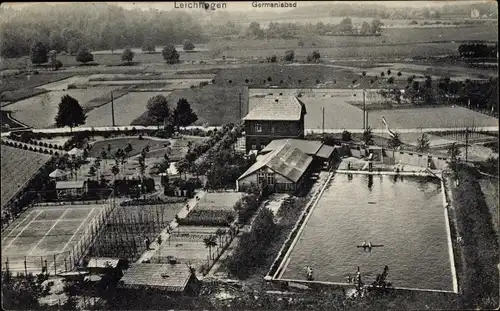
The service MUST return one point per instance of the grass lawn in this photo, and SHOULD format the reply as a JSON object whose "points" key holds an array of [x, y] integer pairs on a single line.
{"points": [[6, 120], [178, 148], [127, 108], [40, 111], [122, 142], [213, 104]]}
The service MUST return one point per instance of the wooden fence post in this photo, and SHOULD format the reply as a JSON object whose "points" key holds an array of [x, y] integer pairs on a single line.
{"points": [[65, 266], [55, 267], [25, 267]]}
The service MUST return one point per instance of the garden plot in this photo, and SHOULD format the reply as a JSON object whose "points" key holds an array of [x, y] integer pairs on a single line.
{"points": [[126, 108], [40, 111]]}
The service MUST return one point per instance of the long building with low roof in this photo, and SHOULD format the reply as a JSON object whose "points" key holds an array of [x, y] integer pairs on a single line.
{"points": [[285, 169]]}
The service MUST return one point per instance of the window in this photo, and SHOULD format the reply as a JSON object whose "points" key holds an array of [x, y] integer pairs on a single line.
{"points": [[270, 179], [273, 130], [261, 178], [258, 127], [254, 147]]}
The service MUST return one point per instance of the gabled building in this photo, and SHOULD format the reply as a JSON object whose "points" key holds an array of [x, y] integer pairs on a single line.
{"points": [[274, 117], [323, 155], [285, 169]]}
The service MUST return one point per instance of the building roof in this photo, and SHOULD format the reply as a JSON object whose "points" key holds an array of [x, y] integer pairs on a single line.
{"points": [[103, 262], [325, 151], [57, 173], [170, 277], [310, 147], [278, 108], [70, 184], [286, 160]]}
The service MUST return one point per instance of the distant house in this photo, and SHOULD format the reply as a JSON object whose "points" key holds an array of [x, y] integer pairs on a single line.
{"points": [[71, 188], [274, 117], [475, 13], [323, 155], [285, 169], [164, 279]]}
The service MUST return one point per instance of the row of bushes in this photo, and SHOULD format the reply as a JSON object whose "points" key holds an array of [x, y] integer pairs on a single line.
{"points": [[30, 148], [34, 143], [480, 279], [217, 218], [152, 201], [252, 250], [134, 186]]}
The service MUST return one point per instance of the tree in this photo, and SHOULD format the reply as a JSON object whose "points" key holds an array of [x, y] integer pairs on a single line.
{"points": [[368, 136], [399, 73], [84, 56], [148, 45], [453, 153], [390, 80], [273, 59], [52, 55], [127, 55], [423, 143], [158, 111], [170, 54], [365, 29], [345, 25], [39, 53], [210, 242], [394, 142], [115, 170], [314, 56], [70, 113], [183, 115], [220, 233], [56, 41], [188, 45], [346, 136], [376, 26], [20, 293], [426, 14], [289, 56]]}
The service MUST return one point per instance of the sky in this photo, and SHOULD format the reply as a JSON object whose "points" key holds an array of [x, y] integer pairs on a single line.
{"points": [[234, 6]]}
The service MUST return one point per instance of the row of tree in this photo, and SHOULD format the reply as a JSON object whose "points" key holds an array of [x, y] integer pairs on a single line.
{"points": [[68, 27], [478, 50], [293, 30]]}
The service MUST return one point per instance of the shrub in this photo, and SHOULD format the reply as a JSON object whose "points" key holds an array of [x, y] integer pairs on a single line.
{"points": [[45, 145], [382, 74], [364, 73], [51, 146], [207, 218], [390, 80], [45, 151], [399, 73], [388, 72]]}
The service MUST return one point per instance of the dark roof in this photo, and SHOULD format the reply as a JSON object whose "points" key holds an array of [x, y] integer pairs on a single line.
{"points": [[173, 278], [279, 108], [310, 147], [70, 184], [287, 161], [325, 151]]}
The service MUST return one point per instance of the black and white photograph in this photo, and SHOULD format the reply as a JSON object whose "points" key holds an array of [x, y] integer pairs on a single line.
{"points": [[250, 155]]}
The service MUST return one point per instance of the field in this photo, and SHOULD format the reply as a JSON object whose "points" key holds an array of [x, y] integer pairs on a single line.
{"points": [[178, 148], [18, 167], [212, 104], [127, 108], [46, 233], [40, 111]]}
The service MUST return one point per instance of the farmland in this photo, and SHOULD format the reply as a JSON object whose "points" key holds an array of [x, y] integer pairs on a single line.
{"points": [[127, 108], [213, 104], [40, 111], [18, 167]]}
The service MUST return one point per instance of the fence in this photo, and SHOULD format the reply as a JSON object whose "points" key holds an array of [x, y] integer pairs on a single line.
{"points": [[92, 231], [53, 263]]}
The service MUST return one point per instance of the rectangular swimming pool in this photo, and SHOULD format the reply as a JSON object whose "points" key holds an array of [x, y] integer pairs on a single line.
{"points": [[405, 215]]}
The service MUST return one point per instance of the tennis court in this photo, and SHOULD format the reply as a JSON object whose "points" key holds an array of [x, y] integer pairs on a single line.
{"points": [[50, 236]]}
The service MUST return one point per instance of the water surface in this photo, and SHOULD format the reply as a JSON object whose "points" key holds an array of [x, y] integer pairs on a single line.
{"points": [[406, 216]]}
